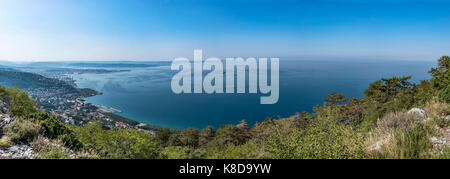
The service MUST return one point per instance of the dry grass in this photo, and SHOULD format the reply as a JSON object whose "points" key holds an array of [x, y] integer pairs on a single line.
{"points": [[398, 135], [435, 108]]}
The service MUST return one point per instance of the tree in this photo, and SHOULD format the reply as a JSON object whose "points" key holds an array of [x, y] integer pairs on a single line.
{"points": [[354, 111], [228, 135], [4, 94], [187, 138], [53, 128], [390, 94], [333, 108], [424, 92], [441, 78], [206, 136], [336, 98], [443, 67], [244, 134], [163, 136], [20, 104]]}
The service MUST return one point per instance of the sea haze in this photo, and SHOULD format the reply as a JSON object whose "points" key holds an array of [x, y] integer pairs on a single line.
{"points": [[142, 91]]}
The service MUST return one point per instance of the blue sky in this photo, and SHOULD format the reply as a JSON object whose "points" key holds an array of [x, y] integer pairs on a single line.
{"points": [[53, 30]]}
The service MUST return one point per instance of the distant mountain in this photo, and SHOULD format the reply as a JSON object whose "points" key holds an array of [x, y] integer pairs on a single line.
{"points": [[119, 64], [7, 68]]}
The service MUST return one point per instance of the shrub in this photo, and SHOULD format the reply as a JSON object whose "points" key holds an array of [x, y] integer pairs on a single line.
{"points": [[21, 131], [163, 135], [40, 143], [441, 78], [206, 136], [53, 152], [189, 137], [396, 121], [55, 129], [20, 103], [249, 150], [5, 142], [321, 140], [118, 143], [387, 95], [226, 135], [424, 92], [178, 152]]}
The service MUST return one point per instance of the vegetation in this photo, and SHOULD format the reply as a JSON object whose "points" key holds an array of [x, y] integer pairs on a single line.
{"points": [[20, 103], [118, 143], [53, 152], [21, 131], [376, 126], [5, 142]]}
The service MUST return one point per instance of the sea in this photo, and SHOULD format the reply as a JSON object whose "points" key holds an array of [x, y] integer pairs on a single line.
{"points": [[142, 90]]}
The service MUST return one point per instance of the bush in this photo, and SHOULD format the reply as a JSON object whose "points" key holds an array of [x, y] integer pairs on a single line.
{"points": [[20, 103], [21, 131], [424, 93], [390, 94], [55, 129], [249, 150], [396, 121], [441, 78], [189, 137], [228, 134], [163, 135], [178, 152], [5, 142], [206, 136], [321, 140], [118, 143], [53, 152]]}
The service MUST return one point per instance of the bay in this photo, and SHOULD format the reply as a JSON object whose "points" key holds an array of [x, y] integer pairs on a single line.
{"points": [[144, 94]]}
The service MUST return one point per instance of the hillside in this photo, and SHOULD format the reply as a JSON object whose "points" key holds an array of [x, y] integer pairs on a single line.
{"points": [[395, 119], [33, 83]]}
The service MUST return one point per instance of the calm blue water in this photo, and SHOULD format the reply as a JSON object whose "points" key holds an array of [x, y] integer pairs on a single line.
{"points": [[144, 94]]}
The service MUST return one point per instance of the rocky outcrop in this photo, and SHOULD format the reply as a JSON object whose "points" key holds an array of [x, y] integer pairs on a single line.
{"points": [[4, 120], [23, 151], [442, 140], [419, 112]]}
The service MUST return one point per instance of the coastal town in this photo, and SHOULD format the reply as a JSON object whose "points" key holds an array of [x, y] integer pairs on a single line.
{"points": [[57, 94]]}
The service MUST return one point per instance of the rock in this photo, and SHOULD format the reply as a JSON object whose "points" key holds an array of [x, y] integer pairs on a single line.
{"points": [[4, 120], [376, 146], [13, 149], [447, 118], [17, 152], [418, 112], [437, 140]]}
